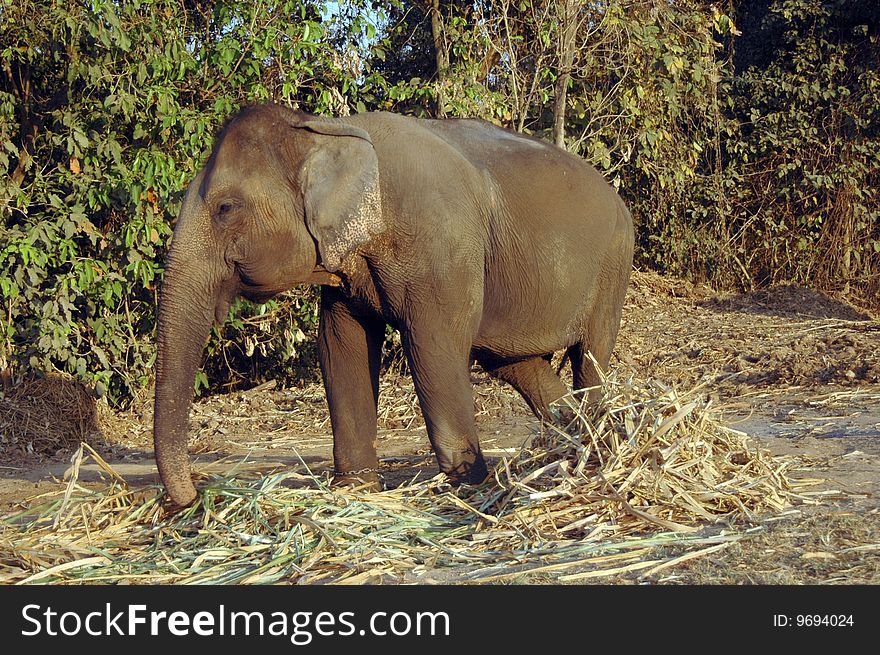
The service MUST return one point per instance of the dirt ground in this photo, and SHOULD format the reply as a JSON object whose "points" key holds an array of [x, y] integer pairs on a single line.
{"points": [[797, 370]]}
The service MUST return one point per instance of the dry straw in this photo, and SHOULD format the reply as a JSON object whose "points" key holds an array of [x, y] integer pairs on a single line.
{"points": [[42, 415], [635, 485]]}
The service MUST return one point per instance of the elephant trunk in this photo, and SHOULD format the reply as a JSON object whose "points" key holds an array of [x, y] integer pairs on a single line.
{"points": [[186, 311]]}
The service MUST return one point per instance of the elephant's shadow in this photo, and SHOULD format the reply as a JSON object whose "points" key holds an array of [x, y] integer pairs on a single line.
{"points": [[137, 467], [788, 300]]}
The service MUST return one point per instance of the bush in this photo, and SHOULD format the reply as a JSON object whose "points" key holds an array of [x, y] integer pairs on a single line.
{"points": [[803, 173], [106, 112], [749, 156]]}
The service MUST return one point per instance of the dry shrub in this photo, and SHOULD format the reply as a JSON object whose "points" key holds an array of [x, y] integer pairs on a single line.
{"points": [[44, 415]]}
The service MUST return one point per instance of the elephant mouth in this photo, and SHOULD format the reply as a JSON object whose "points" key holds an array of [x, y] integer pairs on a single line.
{"points": [[253, 291], [225, 295], [238, 284]]}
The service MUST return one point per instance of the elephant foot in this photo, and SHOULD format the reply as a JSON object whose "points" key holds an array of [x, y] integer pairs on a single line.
{"points": [[563, 416], [361, 480], [474, 472], [172, 507]]}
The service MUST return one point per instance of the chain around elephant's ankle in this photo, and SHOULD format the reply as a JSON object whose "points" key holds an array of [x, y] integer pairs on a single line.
{"points": [[357, 472]]}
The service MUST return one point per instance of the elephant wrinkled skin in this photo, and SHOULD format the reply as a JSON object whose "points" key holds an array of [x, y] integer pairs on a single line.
{"points": [[475, 242]]}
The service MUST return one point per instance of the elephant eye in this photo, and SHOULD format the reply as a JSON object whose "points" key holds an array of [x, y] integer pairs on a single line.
{"points": [[224, 209]]}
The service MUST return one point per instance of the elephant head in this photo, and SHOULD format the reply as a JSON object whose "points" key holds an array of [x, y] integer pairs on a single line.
{"points": [[282, 195]]}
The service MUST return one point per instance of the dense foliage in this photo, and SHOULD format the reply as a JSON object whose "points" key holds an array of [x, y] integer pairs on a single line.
{"points": [[744, 136], [106, 112], [803, 168]]}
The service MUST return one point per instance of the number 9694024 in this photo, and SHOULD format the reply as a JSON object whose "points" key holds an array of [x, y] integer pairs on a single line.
{"points": [[823, 620]]}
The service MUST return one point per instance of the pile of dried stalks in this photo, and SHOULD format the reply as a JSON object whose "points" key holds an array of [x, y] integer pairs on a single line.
{"points": [[643, 457], [632, 484], [44, 415]]}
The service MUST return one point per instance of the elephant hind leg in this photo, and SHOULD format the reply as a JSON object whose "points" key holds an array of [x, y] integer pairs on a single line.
{"points": [[603, 322], [533, 378], [599, 342], [586, 373]]}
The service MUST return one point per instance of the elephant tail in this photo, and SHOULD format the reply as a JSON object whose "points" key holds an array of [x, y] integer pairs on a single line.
{"points": [[565, 357]]}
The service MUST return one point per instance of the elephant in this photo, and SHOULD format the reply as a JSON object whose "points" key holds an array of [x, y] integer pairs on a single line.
{"points": [[477, 243]]}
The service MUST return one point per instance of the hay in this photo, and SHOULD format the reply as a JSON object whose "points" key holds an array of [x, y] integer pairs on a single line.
{"points": [[43, 415], [643, 456], [644, 481]]}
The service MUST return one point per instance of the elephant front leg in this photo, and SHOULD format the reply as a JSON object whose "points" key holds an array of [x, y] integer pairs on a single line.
{"points": [[350, 349], [441, 374]]}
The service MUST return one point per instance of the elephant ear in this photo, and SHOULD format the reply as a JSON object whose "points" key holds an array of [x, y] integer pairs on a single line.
{"points": [[340, 180]]}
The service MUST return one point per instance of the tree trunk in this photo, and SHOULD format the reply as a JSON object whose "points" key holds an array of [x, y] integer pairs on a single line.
{"points": [[568, 24], [441, 56]]}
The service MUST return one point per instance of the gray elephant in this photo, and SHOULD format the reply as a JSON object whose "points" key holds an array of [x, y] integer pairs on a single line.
{"points": [[475, 242]]}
